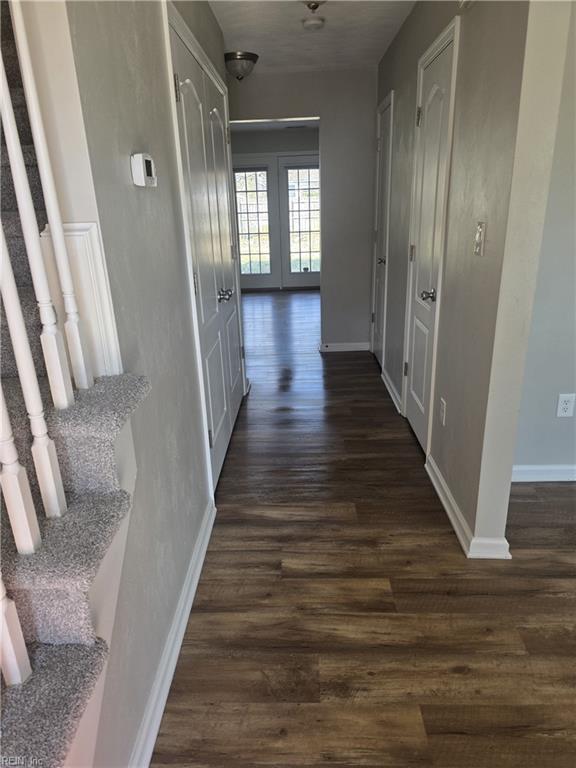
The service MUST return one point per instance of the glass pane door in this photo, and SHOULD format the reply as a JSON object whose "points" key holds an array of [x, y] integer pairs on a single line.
{"points": [[253, 223], [304, 219]]}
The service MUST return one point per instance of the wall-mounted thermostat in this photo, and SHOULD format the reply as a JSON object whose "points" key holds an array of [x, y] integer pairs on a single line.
{"points": [[143, 170]]}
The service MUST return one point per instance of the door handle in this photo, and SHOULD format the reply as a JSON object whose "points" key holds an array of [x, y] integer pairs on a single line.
{"points": [[223, 296], [381, 261], [428, 295]]}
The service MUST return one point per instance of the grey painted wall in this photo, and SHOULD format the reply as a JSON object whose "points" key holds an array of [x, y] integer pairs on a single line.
{"points": [[199, 17], [120, 61], [551, 362], [344, 101], [273, 140], [486, 114]]}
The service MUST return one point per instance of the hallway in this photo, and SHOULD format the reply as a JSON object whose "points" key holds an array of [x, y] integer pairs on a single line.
{"points": [[337, 621]]}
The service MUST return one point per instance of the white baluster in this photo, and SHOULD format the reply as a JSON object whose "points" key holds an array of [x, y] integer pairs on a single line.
{"points": [[16, 489], [13, 654], [51, 338], [43, 449], [81, 367]]}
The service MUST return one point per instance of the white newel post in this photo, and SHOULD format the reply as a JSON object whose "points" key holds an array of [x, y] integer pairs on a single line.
{"points": [[13, 654], [51, 338], [43, 448], [79, 359], [16, 489]]}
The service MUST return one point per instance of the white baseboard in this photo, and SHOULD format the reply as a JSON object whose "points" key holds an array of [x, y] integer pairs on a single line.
{"points": [[148, 731], [346, 346], [544, 473], [392, 391], [473, 546]]}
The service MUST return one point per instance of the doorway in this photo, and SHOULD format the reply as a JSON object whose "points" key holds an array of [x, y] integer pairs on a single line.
{"points": [[277, 197], [434, 117]]}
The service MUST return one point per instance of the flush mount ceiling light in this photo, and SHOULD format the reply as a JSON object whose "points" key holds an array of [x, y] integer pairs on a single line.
{"points": [[313, 23], [239, 64]]}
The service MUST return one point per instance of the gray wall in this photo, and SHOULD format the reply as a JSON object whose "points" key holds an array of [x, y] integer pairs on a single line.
{"points": [[200, 19], [120, 61], [344, 101], [551, 362], [486, 113], [275, 140]]}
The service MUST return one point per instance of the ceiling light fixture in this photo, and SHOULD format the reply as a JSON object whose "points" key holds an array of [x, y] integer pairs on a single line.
{"points": [[313, 23], [240, 64]]}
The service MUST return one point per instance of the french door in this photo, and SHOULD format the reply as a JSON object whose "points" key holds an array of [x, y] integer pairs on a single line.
{"points": [[432, 160], [278, 219], [204, 149]]}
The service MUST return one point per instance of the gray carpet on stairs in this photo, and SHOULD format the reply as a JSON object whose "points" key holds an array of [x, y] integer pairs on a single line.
{"points": [[39, 718], [51, 587]]}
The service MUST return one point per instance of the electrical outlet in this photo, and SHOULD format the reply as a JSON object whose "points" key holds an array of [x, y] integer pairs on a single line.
{"points": [[442, 411], [565, 408]]}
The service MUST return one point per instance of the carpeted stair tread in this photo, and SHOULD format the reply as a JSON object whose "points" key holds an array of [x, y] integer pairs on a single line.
{"points": [[72, 546], [8, 195], [33, 327], [40, 717]]}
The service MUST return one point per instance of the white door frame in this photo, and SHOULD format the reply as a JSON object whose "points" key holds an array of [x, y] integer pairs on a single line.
{"points": [[172, 19], [451, 34], [388, 102]]}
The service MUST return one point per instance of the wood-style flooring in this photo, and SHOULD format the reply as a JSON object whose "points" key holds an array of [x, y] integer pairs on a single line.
{"points": [[337, 621]]}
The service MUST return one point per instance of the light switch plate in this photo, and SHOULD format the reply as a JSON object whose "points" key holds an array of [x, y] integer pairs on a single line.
{"points": [[479, 238]]}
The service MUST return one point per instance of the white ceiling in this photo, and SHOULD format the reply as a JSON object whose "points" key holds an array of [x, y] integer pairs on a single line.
{"points": [[356, 34]]}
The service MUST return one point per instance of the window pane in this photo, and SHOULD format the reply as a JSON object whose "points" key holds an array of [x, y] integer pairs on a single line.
{"points": [[252, 210], [304, 219]]}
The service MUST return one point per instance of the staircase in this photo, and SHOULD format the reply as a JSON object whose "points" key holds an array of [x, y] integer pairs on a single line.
{"points": [[50, 587]]}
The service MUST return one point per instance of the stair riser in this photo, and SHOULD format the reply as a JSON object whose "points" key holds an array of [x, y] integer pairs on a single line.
{"points": [[8, 201], [34, 328], [54, 616], [19, 259]]}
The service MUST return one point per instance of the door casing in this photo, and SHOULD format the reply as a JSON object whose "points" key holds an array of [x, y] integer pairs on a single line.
{"points": [[450, 34]]}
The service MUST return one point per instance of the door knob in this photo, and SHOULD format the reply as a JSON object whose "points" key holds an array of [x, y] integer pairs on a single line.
{"points": [[381, 261], [223, 296], [428, 295]]}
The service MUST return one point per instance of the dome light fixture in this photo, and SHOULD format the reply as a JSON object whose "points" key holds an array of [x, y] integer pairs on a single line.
{"points": [[240, 64], [313, 23]]}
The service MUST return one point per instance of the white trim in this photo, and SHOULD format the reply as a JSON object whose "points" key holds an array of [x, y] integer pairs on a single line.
{"points": [[90, 276], [544, 473], [392, 391], [450, 34], [150, 723], [474, 547], [387, 103], [346, 346]]}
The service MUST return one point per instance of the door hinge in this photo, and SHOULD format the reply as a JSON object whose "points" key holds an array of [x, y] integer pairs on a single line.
{"points": [[406, 369], [228, 135], [373, 317], [243, 352], [412, 252], [418, 116], [177, 86], [195, 284], [210, 439]]}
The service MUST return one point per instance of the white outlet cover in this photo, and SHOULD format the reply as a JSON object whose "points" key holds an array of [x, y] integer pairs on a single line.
{"points": [[565, 409]]}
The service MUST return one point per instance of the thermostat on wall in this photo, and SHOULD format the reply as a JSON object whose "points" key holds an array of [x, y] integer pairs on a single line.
{"points": [[143, 170]]}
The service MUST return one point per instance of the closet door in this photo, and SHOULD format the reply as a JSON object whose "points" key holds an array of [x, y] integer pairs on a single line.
{"points": [[203, 147]]}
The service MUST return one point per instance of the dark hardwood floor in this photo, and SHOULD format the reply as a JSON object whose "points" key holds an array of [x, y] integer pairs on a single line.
{"points": [[337, 621]]}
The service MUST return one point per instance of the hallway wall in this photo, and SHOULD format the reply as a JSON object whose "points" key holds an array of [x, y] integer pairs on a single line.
{"points": [[344, 101], [544, 440]]}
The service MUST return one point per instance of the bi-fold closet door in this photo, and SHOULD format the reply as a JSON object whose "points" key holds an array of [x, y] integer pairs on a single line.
{"points": [[203, 133]]}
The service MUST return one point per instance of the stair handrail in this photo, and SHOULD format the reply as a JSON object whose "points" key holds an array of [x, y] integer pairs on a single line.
{"points": [[16, 488], [81, 367], [51, 339], [14, 659], [43, 448]]}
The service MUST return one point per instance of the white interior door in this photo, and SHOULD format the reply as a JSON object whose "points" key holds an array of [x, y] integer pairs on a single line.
{"points": [[382, 216], [299, 180], [428, 224], [203, 142]]}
